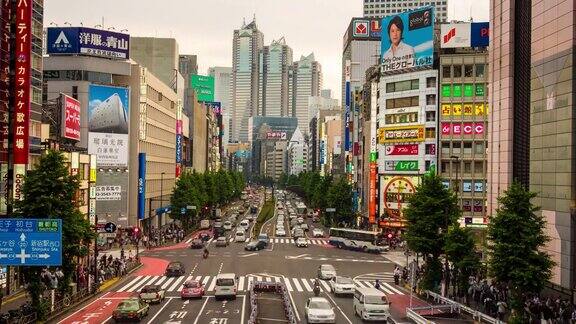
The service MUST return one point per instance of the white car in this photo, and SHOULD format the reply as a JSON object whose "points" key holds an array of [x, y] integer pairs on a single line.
{"points": [[300, 220], [317, 232], [280, 232], [319, 310], [301, 242], [244, 224], [326, 271], [227, 225], [342, 286], [240, 236]]}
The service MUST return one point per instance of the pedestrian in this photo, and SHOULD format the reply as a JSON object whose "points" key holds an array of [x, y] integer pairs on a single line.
{"points": [[501, 305]]}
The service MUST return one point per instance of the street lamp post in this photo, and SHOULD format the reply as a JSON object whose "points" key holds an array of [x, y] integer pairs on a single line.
{"points": [[456, 190]]}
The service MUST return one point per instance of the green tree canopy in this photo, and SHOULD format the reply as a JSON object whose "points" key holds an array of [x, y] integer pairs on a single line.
{"points": [[516, 235]]}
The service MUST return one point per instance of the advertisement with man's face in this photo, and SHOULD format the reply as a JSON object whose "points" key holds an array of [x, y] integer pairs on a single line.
{"points": [[108, 124], [408, 40]]}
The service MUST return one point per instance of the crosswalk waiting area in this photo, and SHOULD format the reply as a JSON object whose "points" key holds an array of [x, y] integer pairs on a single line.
{"points": [[175, 284], [279, 241]]}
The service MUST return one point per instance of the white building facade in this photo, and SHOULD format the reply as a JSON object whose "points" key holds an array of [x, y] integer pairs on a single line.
{"points": [[383, 8], [297, 154], [306, 82]]}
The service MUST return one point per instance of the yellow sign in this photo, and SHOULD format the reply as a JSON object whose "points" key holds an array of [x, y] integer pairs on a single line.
{"points": [[401, 134], [480, 109], [446, 109], [468, 109], [457, 109]]}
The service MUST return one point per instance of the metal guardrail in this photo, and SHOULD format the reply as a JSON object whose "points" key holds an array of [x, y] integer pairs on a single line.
{"points": [[476, 315], [419, 319]]}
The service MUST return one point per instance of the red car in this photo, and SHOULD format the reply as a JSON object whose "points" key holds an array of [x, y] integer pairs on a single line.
{"points": [[192, 289]]}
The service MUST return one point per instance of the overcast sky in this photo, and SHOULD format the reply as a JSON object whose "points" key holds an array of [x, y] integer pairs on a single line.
{"points": [[206, 27]]}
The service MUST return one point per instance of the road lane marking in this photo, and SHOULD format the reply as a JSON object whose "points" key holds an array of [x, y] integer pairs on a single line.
{"points": [[205, 280], [394, 289], [325, 285], [212, 284], [129, 284], [306, 285], [160, 281], [159, 311], [167, 283], [385, 290], [340, 309], [288, 285], [241, 284], [247, 255], [297, 285], [243, 309], [78, 311], [176, 283], [142, 282], [201, 310]]}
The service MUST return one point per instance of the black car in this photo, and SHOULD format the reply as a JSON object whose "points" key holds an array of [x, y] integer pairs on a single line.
{"points": [[197, 244], [175, 269], [255, 246]]}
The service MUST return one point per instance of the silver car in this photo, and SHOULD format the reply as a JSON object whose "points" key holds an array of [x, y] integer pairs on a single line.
{"points": [[326, 272]]}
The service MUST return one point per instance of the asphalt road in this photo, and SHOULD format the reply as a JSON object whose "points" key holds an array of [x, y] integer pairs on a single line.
{"points": [[281, 261]]}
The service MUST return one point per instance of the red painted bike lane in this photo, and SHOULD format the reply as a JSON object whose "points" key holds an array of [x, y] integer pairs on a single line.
{"points": [[101, 309]]}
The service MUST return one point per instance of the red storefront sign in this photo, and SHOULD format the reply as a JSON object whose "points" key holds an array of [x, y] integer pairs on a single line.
{"points": [[21, 118], [372, 201], [408, 149], [6, 9], [71, 118], [467, 128]]}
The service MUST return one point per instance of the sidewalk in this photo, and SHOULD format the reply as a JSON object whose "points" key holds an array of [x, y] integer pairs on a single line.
{"points": [[398, 257]]}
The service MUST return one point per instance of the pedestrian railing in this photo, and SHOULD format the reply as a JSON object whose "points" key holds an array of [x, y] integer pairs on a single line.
{"points": [[476, 315], [417, 318]]}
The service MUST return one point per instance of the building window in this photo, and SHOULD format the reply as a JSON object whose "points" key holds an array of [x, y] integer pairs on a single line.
{"points": [[480, 70], [430, 132], [468, 70], [430, 116], [478, 167], [402, 102], [467, 167], [444, 167], [431, 99], [456, 146], [445, 147], [467, 147], [403, 85], [431, 82], [457, 71], [430, 149], [427, 165], [479, 147], [446, 71]]}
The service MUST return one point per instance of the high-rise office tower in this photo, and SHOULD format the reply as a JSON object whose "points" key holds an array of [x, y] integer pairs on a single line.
{"points": [[275, 63], [158, 55], [222, 77], [248, 42], [383, 8], [306, 81]]}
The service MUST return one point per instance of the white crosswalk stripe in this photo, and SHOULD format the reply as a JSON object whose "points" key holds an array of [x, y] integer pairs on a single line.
{"points": [[175, 284]]}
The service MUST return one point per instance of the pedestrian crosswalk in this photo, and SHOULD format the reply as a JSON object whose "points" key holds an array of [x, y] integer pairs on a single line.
{"points": [[279, 241], [175, 284]]}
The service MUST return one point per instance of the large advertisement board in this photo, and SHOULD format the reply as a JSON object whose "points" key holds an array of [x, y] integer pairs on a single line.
{"points": [[401, 134], [141, 185], [408, 40], [480, 34], [108, 124], [204, 87], [70, 117], [455, 35], [88, 41]]}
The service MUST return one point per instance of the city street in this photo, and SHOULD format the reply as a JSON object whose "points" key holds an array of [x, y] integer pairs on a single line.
{"points": [[281, 261]]}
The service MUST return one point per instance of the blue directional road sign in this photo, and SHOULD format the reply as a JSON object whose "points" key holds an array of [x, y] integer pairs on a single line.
{"points": [[30, 242]]}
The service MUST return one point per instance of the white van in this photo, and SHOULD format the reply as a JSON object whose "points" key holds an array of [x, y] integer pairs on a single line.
{"points": [[226, 285], [240, 236], [371, 304]]}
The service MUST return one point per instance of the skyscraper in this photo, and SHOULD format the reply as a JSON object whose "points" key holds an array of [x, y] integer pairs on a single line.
{"points": [[247, 44], [306, 82], [383, 8], [222, 77], [275, 63]]}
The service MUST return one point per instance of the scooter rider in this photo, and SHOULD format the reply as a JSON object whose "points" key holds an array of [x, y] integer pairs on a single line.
{"points": [[397, 273], [206, 252], [317, 287]]}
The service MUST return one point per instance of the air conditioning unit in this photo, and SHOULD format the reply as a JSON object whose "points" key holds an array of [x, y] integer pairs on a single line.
{"points": [[109, 117]]}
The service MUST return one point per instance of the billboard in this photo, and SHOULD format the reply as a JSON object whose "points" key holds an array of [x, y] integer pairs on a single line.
{"points": [[141, 185], [362, 29], [88, 41], [394, 192], [466, 128], [70, 117], [372, 194], [405, 149], [276, 136], [22, 80], [108, 124], [401, 134], [401, 166], [408, 41], [480, 34], [112, 197], [455, 35], [204, 87]]}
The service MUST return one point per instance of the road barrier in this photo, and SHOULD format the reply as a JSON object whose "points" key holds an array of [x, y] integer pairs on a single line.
{"points": [[417, 318], [270, 287], [476, 315]]}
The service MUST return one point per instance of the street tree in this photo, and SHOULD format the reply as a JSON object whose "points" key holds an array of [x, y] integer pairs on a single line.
{"points": [[339, 196], [461, 252], [431, 210], [516, 235], [49, 191]]}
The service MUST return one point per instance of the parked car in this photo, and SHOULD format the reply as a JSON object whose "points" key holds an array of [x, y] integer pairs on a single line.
{"points": [[222, 241], [175, 269], [255, 246], [152, 294], [131, 309], [342, 286], [196, 244], [326, 271], [192, 289], [319, 310]]}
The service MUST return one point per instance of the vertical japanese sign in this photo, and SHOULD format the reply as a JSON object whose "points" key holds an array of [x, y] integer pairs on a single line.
{"points": [[347, 148], [141, 185], [5, 94], [178, 138], [92, 183], [70, 117], [372, 199], [21, 116]]}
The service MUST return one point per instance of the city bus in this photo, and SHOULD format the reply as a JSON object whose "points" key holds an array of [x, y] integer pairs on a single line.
{"points": [[352, 239]]}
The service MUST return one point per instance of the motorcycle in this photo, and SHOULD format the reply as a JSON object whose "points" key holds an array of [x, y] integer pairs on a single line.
{"points": [[316, 290]]}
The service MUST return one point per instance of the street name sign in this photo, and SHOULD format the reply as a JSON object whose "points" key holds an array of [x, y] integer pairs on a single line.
{"points": [[30, 242]]}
